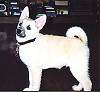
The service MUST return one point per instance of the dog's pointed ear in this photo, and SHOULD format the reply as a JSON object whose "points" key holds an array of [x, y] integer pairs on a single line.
{"points": [[40, 22], [25, 13]]}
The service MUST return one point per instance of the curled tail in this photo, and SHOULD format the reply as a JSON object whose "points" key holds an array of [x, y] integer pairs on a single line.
{"points": [[77, 32]]}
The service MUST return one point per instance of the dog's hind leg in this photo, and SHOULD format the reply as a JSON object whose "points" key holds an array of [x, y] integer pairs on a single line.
{"points": [[34, 79], [81, 74]]}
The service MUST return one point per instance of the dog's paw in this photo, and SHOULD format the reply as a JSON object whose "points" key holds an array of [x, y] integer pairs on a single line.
{"points": [[77, 87], [31, 89], [27, 89]]}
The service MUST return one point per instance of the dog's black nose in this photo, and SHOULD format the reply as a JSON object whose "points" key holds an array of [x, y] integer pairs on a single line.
{"points": [[19, 31]]}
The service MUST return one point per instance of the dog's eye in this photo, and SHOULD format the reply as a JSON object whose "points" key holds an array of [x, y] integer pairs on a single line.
{"points": [[28, 27]]}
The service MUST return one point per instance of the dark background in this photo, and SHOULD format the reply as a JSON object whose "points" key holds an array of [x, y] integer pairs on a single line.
{"points": [[14, 74]]}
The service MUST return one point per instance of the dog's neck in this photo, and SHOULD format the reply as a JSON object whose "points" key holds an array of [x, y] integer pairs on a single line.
{"points": [[28, 41]]}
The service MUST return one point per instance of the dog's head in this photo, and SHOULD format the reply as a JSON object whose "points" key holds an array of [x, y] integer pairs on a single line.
{"points": [[27, 28]]}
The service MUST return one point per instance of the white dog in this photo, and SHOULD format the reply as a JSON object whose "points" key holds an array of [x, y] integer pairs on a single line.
{"points": [[40, 51]]}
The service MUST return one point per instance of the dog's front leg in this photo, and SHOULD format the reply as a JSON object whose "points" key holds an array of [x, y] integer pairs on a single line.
{"points": [[34, 79]]}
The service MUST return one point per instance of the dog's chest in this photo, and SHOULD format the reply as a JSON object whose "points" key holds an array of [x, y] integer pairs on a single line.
{"points": [[27, 52]]}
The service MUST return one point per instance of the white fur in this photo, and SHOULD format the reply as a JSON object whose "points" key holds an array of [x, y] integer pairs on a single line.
{"points": [[77, 31], [49, 51], [25, 13]]}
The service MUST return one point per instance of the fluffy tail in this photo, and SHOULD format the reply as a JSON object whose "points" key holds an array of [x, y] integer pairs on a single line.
{"points": [[78, 33]]}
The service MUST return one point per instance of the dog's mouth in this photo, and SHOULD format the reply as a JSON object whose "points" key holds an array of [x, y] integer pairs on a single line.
{"points": [[20, 32]]}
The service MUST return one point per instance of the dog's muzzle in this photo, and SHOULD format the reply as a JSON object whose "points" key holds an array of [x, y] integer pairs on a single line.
{"points": [[20, 32]]}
